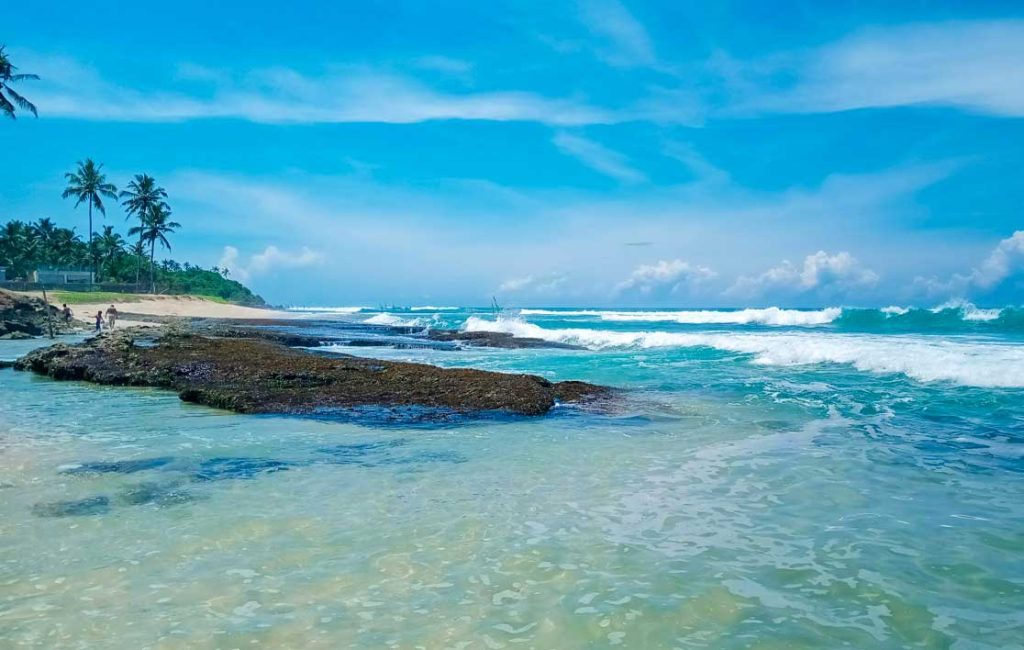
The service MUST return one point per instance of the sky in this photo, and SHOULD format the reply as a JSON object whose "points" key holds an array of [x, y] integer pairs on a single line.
{"points": [[602, 153]]}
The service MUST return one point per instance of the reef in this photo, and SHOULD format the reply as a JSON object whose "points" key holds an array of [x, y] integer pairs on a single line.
{"points": [[260, 373]]}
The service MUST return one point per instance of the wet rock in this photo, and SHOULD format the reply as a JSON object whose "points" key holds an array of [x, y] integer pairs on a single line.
{"points": [[162, 494], [25, 317], [224, 468], [495, 340], [254, 375]]}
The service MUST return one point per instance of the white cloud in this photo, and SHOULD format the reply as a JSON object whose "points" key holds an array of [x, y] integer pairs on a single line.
{"points": [[625, 42], [598, 157], [820, 271], [544, 284], [283, 95], [971, 65], [1005, 261], [270, 259], [673, 275]]}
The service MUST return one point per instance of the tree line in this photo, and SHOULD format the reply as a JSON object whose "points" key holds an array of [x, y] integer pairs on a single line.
{"points": [[26, 247]]}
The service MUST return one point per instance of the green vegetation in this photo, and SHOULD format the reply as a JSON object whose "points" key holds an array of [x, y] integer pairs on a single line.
{"points": [[10, 100], [27, 247]]}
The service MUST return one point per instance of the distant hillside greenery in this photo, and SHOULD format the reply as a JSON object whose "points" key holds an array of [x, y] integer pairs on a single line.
{"points": [[26, 247]]}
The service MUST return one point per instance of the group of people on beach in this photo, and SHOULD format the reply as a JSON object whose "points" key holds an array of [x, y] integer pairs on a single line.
{"points": [[101, 323]]}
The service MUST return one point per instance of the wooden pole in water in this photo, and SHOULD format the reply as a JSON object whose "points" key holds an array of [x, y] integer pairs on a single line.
{"points": [[49, 314]]}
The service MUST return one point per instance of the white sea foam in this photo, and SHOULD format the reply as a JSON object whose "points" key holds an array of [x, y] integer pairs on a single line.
{"points": [[329, 310], [968, 311], [970, 363], [767, 316], [895, 310], [396, 321]]}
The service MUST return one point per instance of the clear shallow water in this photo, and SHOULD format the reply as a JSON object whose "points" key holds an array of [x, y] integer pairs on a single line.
{"points": [[734, 501]]}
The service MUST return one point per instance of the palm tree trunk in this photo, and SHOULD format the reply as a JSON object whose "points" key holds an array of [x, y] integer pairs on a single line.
{"points": [[92, 251], [152, 267], [138, 259]]}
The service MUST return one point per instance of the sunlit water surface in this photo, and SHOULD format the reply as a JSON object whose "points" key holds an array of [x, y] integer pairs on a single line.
{"points": [[725, 504]]}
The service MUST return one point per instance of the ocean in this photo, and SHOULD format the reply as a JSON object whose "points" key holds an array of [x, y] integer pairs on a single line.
{"points": [[770, 478]]}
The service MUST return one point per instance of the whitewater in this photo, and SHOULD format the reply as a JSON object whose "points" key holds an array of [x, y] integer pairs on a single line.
{"points": [[822, 477]]}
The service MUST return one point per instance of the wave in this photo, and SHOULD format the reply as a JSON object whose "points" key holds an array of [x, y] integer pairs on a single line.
{"points": [[767, 316], [329, 310], [948, 317], [395, 321], [951, 317], [982, 364], [433, 308]]}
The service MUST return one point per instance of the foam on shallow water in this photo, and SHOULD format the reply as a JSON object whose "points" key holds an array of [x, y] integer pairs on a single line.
{"points": [[980, 363]]}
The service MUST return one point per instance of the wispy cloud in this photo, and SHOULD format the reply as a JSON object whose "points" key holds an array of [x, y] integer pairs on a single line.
{"points": [[972, 65], [283, 95], [623, 41], [538, 284], [598, 157]]}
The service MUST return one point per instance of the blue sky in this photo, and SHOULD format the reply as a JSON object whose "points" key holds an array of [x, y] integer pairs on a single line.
{"points": [[579, 153]]}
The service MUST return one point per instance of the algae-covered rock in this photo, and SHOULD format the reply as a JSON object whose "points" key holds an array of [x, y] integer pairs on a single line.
{"points": [[255, 375]]}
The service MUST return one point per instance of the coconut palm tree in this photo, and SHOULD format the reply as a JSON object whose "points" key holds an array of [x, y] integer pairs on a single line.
{"points": [[138, 200], [89, 184], [10, 100], [155, 228], [110, 246], [17, 248], [43, 233]]}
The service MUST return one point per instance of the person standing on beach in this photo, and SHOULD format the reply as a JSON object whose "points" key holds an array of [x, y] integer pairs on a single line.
{"points": [[111, 316], [67, 313], [99, 321]]}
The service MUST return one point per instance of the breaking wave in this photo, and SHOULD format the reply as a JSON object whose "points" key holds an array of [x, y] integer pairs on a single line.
{"points": [[969, 363], [396, 321], [948, 317]]}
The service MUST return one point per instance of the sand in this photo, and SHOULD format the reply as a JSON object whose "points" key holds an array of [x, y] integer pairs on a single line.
{"points": [[188, 306]]}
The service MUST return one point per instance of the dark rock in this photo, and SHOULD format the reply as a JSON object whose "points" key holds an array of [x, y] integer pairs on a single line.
{"points": [[29, 316], [223, 468], [495, 340], [162, 494], [90, 506], [15, 336], [253, 375]]}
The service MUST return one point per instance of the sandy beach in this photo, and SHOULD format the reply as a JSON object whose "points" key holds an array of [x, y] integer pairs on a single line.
{"points": [[184, 306]]}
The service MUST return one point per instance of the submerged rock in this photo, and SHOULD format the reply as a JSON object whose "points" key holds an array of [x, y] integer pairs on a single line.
{"points": [[255, 375]]}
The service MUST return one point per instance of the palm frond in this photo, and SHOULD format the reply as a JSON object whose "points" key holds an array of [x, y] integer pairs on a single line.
{"points": [[21, 102]]}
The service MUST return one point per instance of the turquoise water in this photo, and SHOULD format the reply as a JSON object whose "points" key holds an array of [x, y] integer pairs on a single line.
{"points": [[770, 479]]}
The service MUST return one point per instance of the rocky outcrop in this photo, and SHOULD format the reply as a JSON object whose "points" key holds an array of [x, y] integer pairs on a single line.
{"points": [[25, 317], [495, 340], [256, 375]]}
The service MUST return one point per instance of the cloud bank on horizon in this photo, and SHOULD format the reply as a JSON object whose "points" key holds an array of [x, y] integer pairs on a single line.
{"points": [[602, 152]]}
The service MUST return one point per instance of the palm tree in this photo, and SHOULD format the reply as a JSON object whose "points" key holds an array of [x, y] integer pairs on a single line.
{"points": [[155, 228], [9, 99], [89, 184], [66, 249], [109, 248], [17, 247], [43, 233], [142, 195]]}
